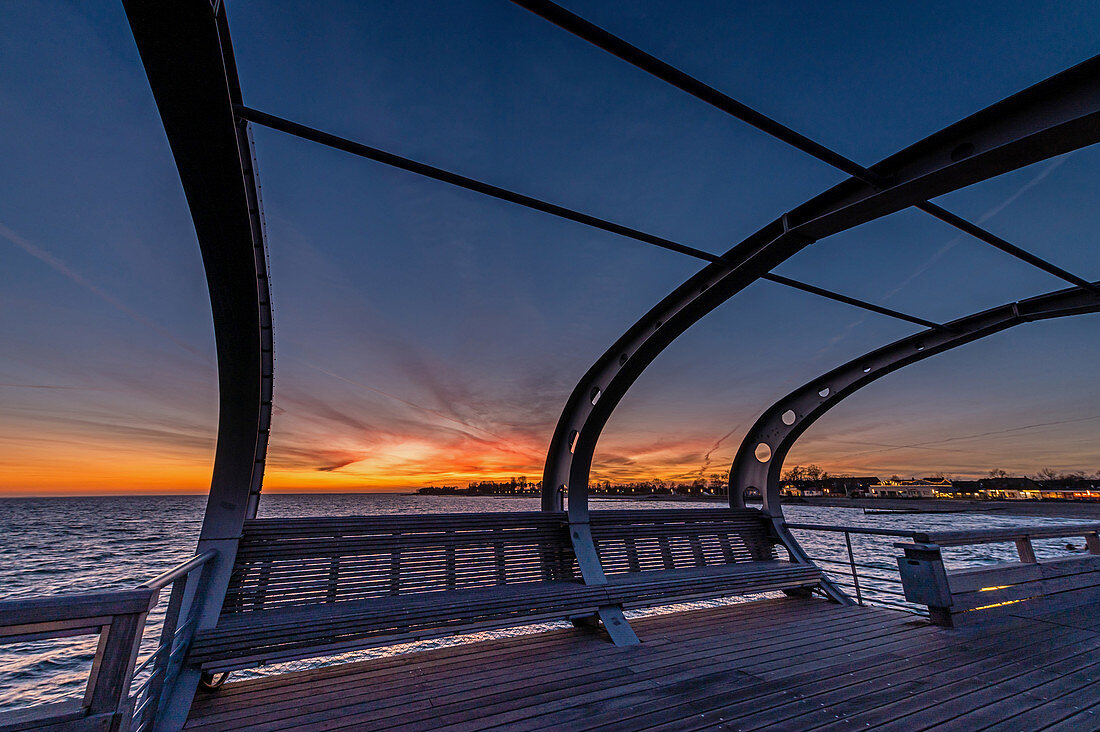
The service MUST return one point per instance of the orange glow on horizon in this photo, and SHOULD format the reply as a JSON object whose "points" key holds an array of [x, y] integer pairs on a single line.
{"points": [[88, 462]]}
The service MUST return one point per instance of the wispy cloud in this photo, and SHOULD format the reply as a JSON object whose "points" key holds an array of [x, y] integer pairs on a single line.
{"points": [[65, 270]]}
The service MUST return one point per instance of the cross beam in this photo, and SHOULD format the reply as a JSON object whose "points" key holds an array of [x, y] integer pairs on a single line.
{"points": [[634, 56], [504, 194], [1053, 117]]}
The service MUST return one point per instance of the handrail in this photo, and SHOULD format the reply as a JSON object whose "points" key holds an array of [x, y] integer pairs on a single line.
{"points": [[856, 530], [119, 617], [43, 609], [925, 581], [162, 580], [870, 586], [1012, 533]]}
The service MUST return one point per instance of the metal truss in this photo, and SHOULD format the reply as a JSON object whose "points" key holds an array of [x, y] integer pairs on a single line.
{"points": [[599, 37], [188, 57], [1056, 116], [759, 459]]}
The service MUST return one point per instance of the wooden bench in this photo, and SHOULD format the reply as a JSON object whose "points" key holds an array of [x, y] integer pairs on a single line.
{"points": [[308, 587], [315, 586], [661, 556]]}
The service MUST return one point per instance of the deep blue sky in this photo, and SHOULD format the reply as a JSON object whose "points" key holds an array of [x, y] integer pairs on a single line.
{"points": [[424, 333]]}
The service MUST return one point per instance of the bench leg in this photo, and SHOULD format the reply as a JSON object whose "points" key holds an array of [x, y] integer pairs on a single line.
{"points": [[615, 623], [587, 622]]}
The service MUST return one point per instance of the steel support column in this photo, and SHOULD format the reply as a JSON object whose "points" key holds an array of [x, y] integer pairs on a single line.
{"points": [[1053, 117], [188, 58]]}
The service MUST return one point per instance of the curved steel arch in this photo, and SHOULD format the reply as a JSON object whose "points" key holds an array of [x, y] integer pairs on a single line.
{"points": [[780, 426], [188, 58], [1052, 117]]}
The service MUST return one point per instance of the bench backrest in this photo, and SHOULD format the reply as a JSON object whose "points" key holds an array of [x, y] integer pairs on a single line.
{"points": [[305, 561], [669, 539]]}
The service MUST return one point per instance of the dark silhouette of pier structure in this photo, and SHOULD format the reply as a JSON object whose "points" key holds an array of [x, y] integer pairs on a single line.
{"points": [[266, 591]]}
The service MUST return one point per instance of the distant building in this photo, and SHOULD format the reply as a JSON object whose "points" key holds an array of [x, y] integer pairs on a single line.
{"points": [[840, 486], [1070, 489], [1010, 489], [969, 489], [1026, 489], [915, 488], [848, 486], [801, 488]]}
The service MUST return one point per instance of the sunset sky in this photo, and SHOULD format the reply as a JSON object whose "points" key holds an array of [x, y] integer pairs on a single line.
{"points": [[426, 335]]}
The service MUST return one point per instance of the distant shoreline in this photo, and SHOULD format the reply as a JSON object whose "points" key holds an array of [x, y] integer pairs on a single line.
{"points": [[1051, 509]]}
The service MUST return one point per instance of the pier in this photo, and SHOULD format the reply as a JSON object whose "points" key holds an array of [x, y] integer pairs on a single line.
{"points": [[904, 639], [769, 664]]}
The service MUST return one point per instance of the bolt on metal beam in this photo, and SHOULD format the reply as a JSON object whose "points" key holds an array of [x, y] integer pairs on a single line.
{"points": [[654, 66], [387, 158]]}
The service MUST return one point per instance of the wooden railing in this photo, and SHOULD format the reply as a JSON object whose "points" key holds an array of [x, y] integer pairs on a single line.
{"points": [[924, 585], [975, 595], [119, 618], [1022, 536]]}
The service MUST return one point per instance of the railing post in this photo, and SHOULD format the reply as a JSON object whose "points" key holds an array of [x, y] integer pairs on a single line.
{"points": [[1092, 541], [174, 639], [113, 671], [852, 562], [924, 580], [1025, 550]]}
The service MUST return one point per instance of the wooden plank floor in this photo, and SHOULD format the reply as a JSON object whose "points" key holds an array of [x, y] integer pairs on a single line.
{"points": [[785, 664]]}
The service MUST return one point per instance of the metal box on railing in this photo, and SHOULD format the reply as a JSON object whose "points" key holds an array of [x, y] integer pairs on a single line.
{"points": [[923, 576]]}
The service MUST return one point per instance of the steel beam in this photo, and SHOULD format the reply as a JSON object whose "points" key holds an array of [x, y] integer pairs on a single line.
{"points": [[673, 76], [487, 189], [759, 459], [188, 59], [1053, 117]]}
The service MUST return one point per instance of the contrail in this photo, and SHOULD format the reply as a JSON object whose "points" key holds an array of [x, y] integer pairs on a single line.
{"points": [[61, 268], [706, 458], [1047, 170]]}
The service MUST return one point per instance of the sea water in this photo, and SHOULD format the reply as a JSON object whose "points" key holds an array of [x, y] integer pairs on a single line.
{"points": [[92, 544]]}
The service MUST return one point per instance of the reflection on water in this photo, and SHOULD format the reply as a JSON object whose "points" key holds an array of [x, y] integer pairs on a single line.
{"points": [[54, 545]]}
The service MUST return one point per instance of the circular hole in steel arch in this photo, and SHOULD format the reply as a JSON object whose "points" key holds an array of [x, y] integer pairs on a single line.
{"points": [[964, 150], [823, 392], [789, 417], [867, 369], [763, 452], [623, 358], [595, 395]]}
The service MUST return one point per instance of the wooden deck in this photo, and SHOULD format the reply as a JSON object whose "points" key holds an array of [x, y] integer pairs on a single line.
{"points": [[774, 664]]}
